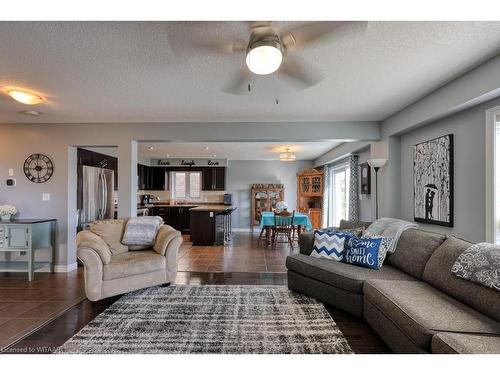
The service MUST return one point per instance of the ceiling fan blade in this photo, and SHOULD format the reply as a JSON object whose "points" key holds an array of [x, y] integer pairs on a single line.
{"points": [[313, 31], [239, 84], [225, 48], [256, 24], [299, 74]]}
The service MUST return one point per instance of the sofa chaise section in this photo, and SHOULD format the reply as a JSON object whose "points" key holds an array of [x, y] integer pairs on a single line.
{"points": [[407, 314], [463, 343]]}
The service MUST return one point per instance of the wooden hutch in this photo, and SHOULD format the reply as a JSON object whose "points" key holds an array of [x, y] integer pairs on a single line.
{"points": [[310, 195], [264, 198]]}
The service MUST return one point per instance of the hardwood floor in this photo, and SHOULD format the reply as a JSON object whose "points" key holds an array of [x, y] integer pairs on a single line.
{"points": [[51, 309]]}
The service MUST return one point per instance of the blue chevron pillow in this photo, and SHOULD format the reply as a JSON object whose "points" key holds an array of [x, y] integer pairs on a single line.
{"points": [[330, 245]]}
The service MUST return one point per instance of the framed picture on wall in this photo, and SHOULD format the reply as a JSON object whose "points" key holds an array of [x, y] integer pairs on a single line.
{"points": [[433, 181], [365, 178]]}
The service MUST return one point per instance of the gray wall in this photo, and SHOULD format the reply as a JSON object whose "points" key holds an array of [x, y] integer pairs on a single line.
{"points": [[243, 173], [468, 128]]}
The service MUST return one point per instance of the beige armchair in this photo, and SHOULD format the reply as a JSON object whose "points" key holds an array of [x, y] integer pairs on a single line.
{"points": [[112, 268]]}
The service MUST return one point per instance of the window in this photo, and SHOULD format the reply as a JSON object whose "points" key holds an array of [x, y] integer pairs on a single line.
{"points": [[338, 192], [186, 185]]}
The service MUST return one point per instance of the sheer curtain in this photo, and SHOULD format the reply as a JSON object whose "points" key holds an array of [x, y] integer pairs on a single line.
{"points": [[326, 195]]}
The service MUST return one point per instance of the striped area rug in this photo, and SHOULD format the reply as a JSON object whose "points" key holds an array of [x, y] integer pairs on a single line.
{"points": [[211, 319]]}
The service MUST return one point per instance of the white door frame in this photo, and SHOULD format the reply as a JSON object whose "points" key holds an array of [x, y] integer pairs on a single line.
{"points": [[490, 173]]}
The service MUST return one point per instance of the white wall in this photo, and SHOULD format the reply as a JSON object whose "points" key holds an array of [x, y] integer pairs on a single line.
{"points": [[242, 174]]}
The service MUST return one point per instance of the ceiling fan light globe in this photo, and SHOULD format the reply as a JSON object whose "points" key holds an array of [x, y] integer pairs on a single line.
{"points": [[264, 59]]}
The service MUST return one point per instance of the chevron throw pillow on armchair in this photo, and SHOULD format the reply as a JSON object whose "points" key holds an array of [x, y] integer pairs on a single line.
{"points": [[330, 245]]}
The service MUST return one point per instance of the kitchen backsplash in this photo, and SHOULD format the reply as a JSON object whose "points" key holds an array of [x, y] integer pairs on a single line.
{"points": [[206, 196]]}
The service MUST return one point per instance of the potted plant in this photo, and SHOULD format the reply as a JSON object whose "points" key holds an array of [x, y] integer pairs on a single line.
{"points": [[6, 212]]}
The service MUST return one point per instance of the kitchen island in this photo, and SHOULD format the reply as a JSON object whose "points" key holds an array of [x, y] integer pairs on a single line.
{"points": [[211, 225], [208, 223]]}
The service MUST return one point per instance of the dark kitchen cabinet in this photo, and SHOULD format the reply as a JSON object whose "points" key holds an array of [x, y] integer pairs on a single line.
{"points": [[96, 159], [157, 178], [220, 178], [175, 216], [214, 178], [142, 176], [151, 178], [163, 212], [180, 218]]}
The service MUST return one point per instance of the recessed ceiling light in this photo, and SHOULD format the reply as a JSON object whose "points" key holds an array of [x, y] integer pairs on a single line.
{"points": [[31, 113], [168, 155], [214, 155], [24, 96], [151, 148], [207, 148]]}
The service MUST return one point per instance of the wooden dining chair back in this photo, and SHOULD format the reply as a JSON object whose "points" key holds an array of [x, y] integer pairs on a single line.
{"points": [[283, 226]]}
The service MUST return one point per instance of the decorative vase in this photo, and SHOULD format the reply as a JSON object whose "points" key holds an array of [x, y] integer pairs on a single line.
{"points": [[6, 217]]}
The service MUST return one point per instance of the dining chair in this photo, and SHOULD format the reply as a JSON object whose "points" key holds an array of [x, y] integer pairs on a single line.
{"points": [[283, 226]]}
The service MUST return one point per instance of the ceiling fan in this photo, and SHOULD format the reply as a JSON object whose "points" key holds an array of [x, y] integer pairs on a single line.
{"points": [[270, 50]]}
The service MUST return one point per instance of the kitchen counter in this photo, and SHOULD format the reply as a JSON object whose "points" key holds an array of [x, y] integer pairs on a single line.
{"points": [[213, 208]]}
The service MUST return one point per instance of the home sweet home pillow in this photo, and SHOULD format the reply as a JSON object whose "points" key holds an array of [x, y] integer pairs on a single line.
{"points": [[330, 245], [368, 251]]}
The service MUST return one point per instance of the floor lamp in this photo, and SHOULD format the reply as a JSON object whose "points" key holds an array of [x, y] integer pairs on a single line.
{"points": [[376, 164]]}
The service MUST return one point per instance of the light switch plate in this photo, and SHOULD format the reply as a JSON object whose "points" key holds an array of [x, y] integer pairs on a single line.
{"points": [[11, 172], [46, 197]]}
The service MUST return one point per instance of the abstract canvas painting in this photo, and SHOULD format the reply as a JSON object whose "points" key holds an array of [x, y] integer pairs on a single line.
{"points": [[433, 181]]}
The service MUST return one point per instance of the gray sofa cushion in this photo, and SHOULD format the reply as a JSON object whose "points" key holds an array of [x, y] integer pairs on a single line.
{"points": [[341, 275], [414, 249], [438, 274], [347, 224], [420, 311], [460, 343], [134, 263], [306, 242]]}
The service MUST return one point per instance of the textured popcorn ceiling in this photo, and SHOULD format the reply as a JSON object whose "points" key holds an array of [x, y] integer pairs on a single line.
{"points": [[144, 72]]}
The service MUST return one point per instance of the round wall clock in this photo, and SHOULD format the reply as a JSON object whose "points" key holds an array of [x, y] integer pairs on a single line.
{"points": [[38, 168]]}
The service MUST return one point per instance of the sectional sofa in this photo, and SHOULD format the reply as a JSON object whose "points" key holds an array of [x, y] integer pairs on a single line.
{"points": [[413, 302]]}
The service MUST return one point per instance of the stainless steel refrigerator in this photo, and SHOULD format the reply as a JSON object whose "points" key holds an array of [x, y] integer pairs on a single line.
{"points": [[95, 195]]}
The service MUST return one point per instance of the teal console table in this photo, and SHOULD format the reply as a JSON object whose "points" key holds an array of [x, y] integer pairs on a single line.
{"points": [[27, 236]]}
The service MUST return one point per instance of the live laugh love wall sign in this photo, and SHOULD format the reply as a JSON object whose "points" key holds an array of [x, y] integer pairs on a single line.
{"points": [[433, 181]]}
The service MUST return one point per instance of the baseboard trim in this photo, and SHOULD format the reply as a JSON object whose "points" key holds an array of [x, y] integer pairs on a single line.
{"points": [[65, 268], [241, 230]]}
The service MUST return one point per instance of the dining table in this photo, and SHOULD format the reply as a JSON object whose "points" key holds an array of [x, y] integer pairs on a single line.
{"points": [[301, 220]]}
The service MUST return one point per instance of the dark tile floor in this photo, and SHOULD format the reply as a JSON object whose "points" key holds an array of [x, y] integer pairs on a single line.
{"points": [[245, 254], [26, 306]]}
